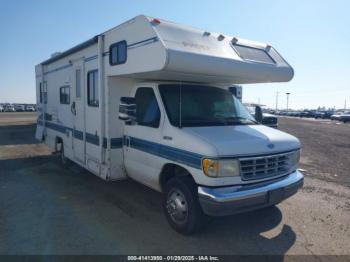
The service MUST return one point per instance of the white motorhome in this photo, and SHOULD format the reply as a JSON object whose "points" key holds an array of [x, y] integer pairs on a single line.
{"points": [[152, 100]]}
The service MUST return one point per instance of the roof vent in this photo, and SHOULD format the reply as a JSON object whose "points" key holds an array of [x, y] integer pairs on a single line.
{"points": [[56, 54]]}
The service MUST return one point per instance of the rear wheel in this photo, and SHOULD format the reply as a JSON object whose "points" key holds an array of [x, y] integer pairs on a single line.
{"points": [[181, 205]]}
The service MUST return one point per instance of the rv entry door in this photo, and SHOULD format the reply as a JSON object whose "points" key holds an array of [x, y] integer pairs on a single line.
{"points": [[78, 111]]}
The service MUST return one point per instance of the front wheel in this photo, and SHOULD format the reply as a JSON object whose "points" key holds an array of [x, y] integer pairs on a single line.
{"points": [[181, 205]]}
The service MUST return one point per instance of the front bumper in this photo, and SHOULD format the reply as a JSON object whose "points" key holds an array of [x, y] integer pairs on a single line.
{"points": [[221, 201]]}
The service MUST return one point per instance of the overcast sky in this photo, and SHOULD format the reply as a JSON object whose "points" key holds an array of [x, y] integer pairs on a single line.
{"points": [[313, 36]]}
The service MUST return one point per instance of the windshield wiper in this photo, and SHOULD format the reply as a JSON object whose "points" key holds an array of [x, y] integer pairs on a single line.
{"points": [[240, 119]]}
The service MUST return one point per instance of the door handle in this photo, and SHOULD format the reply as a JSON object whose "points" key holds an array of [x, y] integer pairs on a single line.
{"points": [[72, 108]]}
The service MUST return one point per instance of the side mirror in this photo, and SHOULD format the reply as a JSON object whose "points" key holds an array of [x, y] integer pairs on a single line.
{"points": [[127, 109], [258, 114]]}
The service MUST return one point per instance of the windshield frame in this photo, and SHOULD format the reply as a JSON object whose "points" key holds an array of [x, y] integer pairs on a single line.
{"points": [[228, 121]]}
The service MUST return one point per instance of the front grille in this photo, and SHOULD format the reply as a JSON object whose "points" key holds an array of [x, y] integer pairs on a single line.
{"points": [[265, 166]]}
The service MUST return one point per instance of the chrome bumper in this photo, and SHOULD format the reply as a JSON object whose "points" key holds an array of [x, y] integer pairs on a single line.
{"points": [[221, 201]]}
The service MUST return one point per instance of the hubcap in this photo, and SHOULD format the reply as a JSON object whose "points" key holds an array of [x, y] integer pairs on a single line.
{"points": [[177, 206]]}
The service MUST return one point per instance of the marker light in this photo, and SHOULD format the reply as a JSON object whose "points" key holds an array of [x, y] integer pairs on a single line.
{"points": [[234, 40], [221, 37], [156, 21], [210, 167]]}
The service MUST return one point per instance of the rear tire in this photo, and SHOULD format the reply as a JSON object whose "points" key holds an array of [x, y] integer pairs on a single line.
{"points": [[181, 206]]}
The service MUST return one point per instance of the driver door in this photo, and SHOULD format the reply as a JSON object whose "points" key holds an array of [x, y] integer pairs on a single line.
{"points": [[141, 142]]}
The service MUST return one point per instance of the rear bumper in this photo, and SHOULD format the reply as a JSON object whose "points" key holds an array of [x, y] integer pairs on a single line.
{"points": [[221, 201]]}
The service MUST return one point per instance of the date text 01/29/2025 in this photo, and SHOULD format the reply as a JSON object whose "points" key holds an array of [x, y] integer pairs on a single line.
{"points": [[173, 258]]}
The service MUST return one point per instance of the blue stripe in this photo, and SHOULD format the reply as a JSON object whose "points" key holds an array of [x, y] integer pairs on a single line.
{"points": [[90, 138], [116, 142], [171, 153], [78, 134]]}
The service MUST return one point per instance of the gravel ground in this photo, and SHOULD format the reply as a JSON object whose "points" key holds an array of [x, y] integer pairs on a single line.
{"points": [[46, 209], [325, 147]]}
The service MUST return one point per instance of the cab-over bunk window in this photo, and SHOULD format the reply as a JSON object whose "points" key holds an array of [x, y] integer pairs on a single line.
{"points": [[118, 53], [253, 54]]}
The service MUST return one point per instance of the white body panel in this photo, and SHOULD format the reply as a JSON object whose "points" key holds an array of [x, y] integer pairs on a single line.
{"points": [[96, 139]]}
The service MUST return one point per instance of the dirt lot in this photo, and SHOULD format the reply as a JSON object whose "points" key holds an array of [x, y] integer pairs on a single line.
{"points": [[326, 147], [46, 209]]}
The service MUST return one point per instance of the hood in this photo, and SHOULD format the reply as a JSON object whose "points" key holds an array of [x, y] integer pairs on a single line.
{"points": [[245, 140]]}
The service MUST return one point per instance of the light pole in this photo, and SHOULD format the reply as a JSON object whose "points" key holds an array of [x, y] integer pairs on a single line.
{"points": [[277, 100], [287, 100]]}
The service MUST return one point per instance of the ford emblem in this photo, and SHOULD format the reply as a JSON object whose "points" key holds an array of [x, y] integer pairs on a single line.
{"points": [[270, 146]]}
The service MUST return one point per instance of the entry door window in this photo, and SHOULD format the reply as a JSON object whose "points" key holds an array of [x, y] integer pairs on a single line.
{"points": [[78, 83], [147, 109]]}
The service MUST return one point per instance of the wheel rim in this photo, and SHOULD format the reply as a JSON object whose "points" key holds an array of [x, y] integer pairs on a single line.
{"points": [[177, 206]]}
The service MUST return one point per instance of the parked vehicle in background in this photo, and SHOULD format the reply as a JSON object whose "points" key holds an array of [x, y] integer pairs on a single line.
{"points": [[319, 114], [345, 117], [30, 108], [324, 114], [1, 108], [267, 119], [293, 113], [327, 114], [336, 116], [19, 108], [9, 108], [308, 113]]}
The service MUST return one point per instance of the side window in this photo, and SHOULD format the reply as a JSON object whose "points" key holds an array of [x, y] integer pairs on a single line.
{"points": [[77, 83], [118, 53], [147, 109], [92, 88], [65, 95]]}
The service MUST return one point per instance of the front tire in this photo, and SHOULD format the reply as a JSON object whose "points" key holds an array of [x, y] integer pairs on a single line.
{"points": [[181, 205]]}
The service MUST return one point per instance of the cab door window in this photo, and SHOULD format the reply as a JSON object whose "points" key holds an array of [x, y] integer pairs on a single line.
{"points": [[147, 109]]}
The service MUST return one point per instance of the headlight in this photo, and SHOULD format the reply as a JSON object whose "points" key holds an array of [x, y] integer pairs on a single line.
{"points": [[296, 157], [220, 168]]}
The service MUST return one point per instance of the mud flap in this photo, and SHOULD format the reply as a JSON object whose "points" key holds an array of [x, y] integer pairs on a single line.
{"points": [[39, 133]]}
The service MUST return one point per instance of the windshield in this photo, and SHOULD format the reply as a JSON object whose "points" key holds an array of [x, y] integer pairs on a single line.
{"points": [[203, 106]]}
